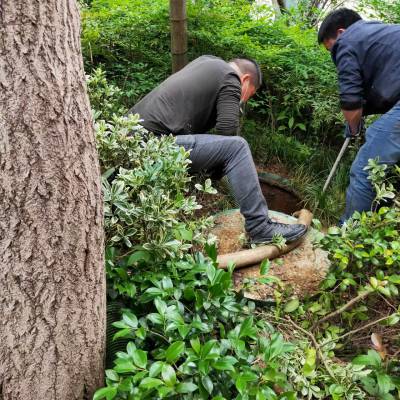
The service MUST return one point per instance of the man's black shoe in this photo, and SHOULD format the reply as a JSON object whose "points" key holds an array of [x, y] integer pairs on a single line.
{"points": [[291, 232]]}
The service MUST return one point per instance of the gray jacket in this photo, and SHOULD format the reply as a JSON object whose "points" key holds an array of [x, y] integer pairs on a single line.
{"points": [[367, 57], [203, 95]]}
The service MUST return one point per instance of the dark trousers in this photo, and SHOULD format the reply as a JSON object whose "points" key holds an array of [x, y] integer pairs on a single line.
{"points": [[230, 156]]}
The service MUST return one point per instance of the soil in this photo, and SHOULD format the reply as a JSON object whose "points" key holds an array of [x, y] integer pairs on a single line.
{"points": [[302, 269], [229, 229]]}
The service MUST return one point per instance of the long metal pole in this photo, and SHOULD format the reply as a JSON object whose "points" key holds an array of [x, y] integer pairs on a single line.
{"points": [[339, 157]]}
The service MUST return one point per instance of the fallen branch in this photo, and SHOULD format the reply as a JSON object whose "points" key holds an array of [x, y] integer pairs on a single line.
{"points": [[356, 299], [316, 345], [361, 328]]}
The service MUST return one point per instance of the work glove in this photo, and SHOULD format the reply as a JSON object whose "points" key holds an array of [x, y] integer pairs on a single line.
{"points": [[349, 134]]}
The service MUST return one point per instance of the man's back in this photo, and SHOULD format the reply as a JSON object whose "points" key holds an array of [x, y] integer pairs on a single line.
{"points": [[203, 95], [367, 55]]}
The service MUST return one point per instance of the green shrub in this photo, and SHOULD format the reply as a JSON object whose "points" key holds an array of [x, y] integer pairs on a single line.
{"points": [[145, 186], [190, 335], [365, 252], [385, 10], [105, 98], [191, 338], [131, 40]]}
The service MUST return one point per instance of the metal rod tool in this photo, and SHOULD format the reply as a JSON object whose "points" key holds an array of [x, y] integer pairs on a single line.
{"points": [[334, 168]]}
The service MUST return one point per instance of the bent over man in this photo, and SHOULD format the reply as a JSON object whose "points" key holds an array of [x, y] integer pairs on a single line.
{"points": [[206, 94], [367, 57]]}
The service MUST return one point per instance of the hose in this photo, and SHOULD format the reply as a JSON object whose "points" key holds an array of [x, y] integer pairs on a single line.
{"points": [[254, 256]]}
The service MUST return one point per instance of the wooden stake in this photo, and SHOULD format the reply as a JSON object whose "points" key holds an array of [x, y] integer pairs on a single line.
{"points": [[178, 20]]}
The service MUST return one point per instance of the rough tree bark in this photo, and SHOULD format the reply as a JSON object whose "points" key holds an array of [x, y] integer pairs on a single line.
{"points": [[52, 283]]}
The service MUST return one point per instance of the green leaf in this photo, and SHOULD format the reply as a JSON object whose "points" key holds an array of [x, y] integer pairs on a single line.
{"points": [[241, 384], [112, 375], [174, 351], [334, 230], [124, 366], [186, 234], [156, 318], [247, 329], [392, 319], [161, 306], [150, 383], [292, 305], [385, 291], [141, 255], [224, 364], [125, 385], [108, 173], [131, 348], [186, 387], [265, 266], [311, 357], [291, 122], [196, 346], [127, 332], [130, 319], [155, 369], [211, 251], [372, 358], [105, 393], [140, 358], [168, 375], [394, 279], [384, 382], [207, 383], [207, 348]]}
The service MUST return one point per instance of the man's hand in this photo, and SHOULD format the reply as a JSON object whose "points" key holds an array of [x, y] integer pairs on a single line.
{"points": [[353, 119], [348, 133]]}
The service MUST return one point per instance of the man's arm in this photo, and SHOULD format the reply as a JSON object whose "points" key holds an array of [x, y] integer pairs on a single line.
{"points": [[228, 112], [350, 85]]}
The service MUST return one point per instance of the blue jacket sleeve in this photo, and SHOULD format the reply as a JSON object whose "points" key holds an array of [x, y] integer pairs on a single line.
{"points": [[351, 89]]}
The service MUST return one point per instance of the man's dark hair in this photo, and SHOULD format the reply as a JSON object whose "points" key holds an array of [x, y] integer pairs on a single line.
{"points": [[341, 18], [249, 66]]}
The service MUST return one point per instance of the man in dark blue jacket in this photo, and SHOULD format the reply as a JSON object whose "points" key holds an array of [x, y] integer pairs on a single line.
{"points": [[367, 57]]}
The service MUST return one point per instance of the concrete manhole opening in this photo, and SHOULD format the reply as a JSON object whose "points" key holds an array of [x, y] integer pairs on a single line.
{"points": [[279, 193]]}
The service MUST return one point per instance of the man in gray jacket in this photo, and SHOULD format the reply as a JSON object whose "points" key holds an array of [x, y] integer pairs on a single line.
{"points": [[206, 95], [367, 58]]}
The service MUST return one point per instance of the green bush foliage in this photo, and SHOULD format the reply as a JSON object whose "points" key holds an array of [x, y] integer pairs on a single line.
{"points": [[385, 10], [190, 335], [131, 40], [148, 210], [105, 98]]}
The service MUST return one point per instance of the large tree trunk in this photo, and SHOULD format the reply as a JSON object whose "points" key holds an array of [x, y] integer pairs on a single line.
{"points": [[52, 283]]}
